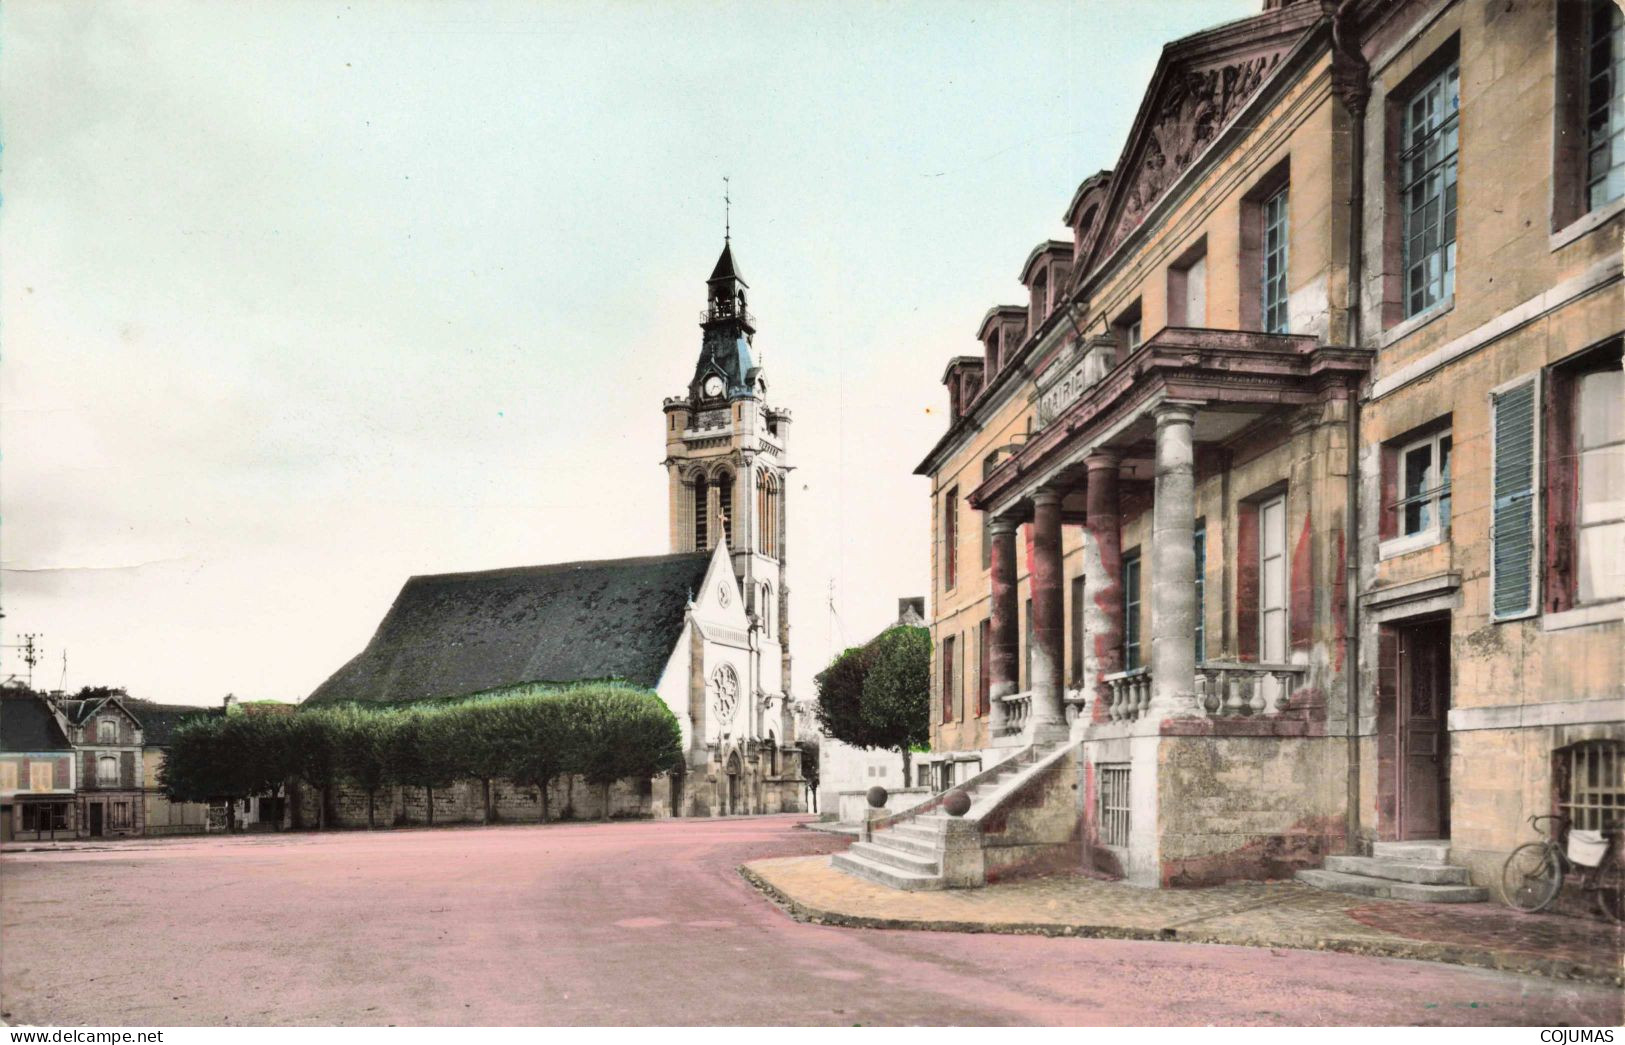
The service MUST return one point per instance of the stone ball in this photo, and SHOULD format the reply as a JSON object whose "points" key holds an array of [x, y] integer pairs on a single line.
{"points": [[956, 804], [877, 797]]}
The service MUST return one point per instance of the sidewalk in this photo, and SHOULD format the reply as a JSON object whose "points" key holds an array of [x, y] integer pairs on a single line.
{"points": [[1254, 914]]}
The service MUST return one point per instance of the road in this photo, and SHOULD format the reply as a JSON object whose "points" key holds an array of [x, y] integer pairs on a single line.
{"points": [[621, 923]]}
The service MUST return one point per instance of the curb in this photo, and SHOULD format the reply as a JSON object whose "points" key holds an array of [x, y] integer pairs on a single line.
{"points": [[1469, 957]]}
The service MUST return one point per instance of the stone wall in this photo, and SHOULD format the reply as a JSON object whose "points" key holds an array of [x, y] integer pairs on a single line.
{"points": [[1240, 807], [463, 802], [1037, 829]]}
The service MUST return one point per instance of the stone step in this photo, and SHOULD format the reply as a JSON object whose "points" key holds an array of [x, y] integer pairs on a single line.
{"points": [[906, 843], [913, 829], [1431, 851], [1400, 870], [898, 858], [884, 874], [1382, 888]]}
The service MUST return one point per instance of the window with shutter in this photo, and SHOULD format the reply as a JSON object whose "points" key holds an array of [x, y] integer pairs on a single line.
{"points": [[1512, 520]]}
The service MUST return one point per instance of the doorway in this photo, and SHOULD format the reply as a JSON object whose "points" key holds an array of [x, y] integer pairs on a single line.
{"points": [[96, 810], [732, 806], [1421, 739]]}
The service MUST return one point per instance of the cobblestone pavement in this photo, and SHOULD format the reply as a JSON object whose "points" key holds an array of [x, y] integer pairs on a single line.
{"points": [[640, 923], [1262, 914]]}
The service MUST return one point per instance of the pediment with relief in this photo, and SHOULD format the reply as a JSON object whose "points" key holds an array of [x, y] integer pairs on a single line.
{"points": [[1203, 82], [1194, 107]]}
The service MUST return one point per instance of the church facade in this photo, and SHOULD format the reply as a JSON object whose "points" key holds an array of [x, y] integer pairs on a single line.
{"points": [[705, 626]]}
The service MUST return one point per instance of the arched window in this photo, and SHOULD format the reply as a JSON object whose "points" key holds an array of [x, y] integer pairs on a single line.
{"points": [[107, 771], [702, 495], [767, 512], [725, 508], [106, 731], [767, 608]]}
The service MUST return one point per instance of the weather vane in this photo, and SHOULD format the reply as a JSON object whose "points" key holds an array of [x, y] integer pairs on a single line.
{"points": [[727, 212]]}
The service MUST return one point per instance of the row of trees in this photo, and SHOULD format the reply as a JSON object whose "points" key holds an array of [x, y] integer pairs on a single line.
{"points": [[878, 695], [529, 735]]}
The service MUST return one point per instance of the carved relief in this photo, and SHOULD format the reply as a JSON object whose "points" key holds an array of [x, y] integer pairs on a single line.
{"points": [[1194, 108]]}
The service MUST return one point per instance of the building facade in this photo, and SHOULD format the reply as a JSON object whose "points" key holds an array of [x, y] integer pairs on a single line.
{"points": [[1288, 499], [37, 772]]}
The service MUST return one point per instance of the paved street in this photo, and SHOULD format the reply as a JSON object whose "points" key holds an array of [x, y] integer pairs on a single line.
{"points": [[643, 922]]}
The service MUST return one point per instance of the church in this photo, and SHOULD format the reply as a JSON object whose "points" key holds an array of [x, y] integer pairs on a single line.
{"points": [[706, 626]]}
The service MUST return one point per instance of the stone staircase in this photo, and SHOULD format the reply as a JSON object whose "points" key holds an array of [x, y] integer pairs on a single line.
{"points": [[1398, 871], [908, 851]]}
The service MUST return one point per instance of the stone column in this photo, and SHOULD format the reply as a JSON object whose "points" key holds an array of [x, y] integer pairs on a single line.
{"points": [[1103, 579], [1173, 577], [1001, 662], [1048, 718]]}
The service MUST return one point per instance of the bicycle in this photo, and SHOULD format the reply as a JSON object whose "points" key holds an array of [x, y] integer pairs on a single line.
{"points": [[1534, 874]]}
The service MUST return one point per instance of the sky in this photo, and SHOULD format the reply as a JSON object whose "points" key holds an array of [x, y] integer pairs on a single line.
{"points": [[300, 299]]}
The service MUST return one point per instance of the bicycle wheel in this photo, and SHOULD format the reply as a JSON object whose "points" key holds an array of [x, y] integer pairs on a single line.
{"points": [[1611, 889], [1531, 877]]}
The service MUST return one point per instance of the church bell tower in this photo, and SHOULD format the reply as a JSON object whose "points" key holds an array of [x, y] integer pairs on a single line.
{"points": [[727, 462]]}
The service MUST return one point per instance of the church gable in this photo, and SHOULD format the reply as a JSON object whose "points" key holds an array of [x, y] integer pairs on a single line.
{"points": [[1202, 82]]}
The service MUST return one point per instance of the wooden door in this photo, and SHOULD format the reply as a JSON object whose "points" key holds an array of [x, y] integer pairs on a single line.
{"points": [[1423, 740], [96, 809]]}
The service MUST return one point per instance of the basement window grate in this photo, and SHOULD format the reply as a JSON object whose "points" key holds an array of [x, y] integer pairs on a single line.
{"points": [[1113, 818], [1592, 794]]}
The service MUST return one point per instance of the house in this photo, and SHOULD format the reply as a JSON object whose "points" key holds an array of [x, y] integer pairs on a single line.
{"points": [[37, 771], [107, 740], [158, 724], [1277, 529]]}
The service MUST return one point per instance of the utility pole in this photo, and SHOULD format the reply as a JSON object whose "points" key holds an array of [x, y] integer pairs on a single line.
{"points": [[32, 649]]}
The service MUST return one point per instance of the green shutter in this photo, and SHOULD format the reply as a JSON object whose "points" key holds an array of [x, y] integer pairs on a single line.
{"points": [[1512, 526]]}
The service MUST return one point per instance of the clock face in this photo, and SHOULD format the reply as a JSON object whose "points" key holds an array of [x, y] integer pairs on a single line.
{"points": [[713, 385]]}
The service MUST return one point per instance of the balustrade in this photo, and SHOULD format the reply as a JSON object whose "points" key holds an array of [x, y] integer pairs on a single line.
{"points": [[1130, 694], [1017, 708], [1236, 690]]}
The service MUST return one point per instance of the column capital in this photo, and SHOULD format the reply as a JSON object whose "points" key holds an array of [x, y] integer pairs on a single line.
{"points": [[1046, 495], [1172, 412], [1002, 526], [1102, 459]]}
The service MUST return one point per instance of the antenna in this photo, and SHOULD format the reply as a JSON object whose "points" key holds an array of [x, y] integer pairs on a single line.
{"points": [[727, 212]]}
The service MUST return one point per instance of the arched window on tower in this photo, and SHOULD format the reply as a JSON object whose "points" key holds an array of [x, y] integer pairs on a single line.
{"points": [[767, 608], [725, 508], [702, 495], [767, 511]]}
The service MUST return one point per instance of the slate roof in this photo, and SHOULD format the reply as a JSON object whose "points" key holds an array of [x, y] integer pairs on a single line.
{"points": [[159, 721], [26, 724], [454, 634], [725, 267]]}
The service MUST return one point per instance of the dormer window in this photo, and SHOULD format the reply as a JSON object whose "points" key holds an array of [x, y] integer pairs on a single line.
{"points": [[993, 360], [1040, 299], [106, 731]]}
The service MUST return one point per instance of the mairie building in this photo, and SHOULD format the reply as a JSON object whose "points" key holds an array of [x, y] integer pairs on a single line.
{"points": [[1279, 526]]}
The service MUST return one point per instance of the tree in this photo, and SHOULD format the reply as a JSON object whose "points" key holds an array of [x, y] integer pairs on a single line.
{"points": [[364, 742], [312, 745], [417, 753], [219, 758], [618, 732], [897, 691], [478, 736], [537, 748], [840, 697]]}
